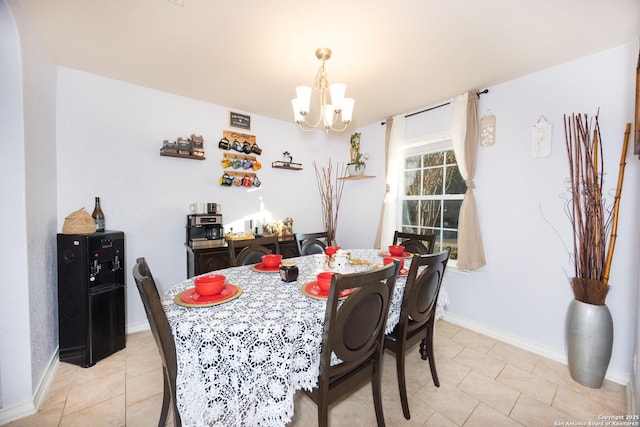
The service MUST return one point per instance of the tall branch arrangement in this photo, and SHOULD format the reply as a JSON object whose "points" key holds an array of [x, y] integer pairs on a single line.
{"points": [[594, 223], [330, 189]]}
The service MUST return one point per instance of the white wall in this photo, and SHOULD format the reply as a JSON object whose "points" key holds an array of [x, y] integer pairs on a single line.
{"points": [[28, 318], [524, 292], [15, 374], [109, 137]]}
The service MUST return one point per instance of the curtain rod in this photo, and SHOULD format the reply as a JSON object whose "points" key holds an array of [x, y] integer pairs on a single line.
{"points": [[436, 106]]}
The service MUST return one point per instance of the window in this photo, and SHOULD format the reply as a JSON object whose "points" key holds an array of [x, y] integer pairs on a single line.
{"points": [[431, 193]]}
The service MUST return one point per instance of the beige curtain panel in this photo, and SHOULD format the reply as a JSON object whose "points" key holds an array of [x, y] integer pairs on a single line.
{"points": [[464, 132], [388, 214]]}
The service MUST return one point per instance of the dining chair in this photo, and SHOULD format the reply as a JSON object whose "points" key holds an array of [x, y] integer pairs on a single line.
{"points": [[251, 250], [312, 243], [415, 243], [162, 334], [354, 333], [417, 316]]}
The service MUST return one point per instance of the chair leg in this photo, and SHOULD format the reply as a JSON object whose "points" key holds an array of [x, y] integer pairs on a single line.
{"points": [[166, 400], [177, 421], [402, 385], [426, 350], [376, 385], [323, 414]]}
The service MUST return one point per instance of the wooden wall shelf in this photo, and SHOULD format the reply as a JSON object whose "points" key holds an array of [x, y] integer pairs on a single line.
{"points": [[286, 165], [354, 177], [183, 156]]}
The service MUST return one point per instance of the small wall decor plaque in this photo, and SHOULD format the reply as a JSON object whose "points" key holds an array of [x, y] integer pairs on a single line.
{"points": [[238, 120], [541, 141], [487, 130]]}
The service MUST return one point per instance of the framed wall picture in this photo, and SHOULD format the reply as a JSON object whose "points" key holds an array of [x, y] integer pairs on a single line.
{"points": [[238, 120]]}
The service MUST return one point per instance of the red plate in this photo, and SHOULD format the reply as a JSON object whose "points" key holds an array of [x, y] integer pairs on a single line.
{"points": [[404, 254], [403, 272], [313, 290], [190, 298], [263, 269]]}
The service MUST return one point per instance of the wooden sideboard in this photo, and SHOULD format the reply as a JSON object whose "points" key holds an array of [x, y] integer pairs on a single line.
{"points": [[200, 261]]}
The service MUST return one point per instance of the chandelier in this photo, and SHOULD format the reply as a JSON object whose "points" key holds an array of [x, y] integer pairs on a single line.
{"points": [[335, 115]]}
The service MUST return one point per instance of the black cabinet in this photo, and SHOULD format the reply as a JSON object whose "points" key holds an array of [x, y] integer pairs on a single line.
{"points": [[200, 261]]}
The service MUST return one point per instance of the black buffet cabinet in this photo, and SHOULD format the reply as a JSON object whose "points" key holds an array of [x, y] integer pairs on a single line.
{"points": [[200, 261], [91, 296]]}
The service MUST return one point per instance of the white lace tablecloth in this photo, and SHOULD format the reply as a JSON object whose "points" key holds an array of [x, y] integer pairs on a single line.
{"points": [[240, 363]]}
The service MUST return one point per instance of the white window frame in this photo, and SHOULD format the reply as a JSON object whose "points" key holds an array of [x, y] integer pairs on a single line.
{"points": [[423, 145]]}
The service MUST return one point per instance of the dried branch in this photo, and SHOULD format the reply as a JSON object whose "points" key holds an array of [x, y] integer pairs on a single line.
{"points": [[586, 207], [594, 226], [330, 189]]}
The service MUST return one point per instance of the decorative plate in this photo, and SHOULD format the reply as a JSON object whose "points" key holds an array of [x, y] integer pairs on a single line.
{"points": [[403, 271], [190, 298], [404, 255], [260, 267], [313, 290]]}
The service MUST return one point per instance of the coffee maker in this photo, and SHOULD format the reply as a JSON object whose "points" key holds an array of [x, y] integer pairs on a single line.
{"points": [[204, 231]]}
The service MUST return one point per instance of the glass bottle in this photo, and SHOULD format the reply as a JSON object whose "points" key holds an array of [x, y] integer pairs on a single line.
{"points": [[98, 216]]}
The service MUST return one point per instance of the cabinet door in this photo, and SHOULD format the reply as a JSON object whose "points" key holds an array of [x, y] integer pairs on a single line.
{"points": [[210, 261]]}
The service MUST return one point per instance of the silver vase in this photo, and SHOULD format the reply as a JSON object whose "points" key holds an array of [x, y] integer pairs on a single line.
{"points": [[589, 340]]}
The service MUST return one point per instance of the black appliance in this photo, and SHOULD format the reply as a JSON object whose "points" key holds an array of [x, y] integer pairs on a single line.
{"points": [[204, 231], [91, 296]]}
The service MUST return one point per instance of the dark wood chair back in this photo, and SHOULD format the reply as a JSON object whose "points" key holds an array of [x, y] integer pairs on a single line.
{"points": [[354, 332], [415, 243], [417, 316], [250, 251], [162, 334], [312, 243]]}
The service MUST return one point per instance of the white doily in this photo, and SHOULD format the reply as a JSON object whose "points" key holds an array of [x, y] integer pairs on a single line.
{"points": [[240, 363]]}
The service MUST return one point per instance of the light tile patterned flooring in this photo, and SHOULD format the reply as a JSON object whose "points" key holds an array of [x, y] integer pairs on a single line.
{"points": [[484, 382]]}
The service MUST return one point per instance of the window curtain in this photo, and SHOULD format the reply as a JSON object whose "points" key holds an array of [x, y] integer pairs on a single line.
{"points": [[464, 133], [388, 212]]}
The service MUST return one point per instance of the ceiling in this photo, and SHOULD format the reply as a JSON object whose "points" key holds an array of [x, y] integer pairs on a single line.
{"points": [[395, 56]]}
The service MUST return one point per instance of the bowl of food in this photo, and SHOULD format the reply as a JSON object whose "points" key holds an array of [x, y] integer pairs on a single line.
{"points": [[324, 280], [396, 250], [271, 260], [210, 284]]}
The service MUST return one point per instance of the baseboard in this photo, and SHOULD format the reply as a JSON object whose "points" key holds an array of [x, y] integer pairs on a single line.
{"points": [[27, 408], [138, 327], [553, 354]]}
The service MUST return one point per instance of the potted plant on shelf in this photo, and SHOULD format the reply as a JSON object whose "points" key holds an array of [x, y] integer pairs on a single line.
{"points": [[594, 219], [356, 167]]}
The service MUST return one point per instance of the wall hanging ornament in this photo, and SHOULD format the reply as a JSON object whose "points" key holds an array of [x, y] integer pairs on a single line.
{"points": [[541, 141], [487, 129]]}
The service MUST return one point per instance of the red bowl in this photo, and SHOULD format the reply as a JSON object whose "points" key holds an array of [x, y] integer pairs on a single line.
{"points": [[390, 259], [331, 250], [324, 280], [271, 260], [210, 285], [396, 250]]}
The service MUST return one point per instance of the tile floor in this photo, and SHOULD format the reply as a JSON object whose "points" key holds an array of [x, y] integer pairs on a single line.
{"points": [[484, 382]]}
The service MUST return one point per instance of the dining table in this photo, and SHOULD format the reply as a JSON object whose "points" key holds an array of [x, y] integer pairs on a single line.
{"points": [[242, 359]]}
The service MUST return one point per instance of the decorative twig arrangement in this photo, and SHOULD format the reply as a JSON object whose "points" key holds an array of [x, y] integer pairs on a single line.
{"points": [[330, 189], [594, 224]]}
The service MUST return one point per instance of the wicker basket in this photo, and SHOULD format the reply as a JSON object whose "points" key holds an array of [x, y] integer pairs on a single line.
{"points": [[79, 222]]}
